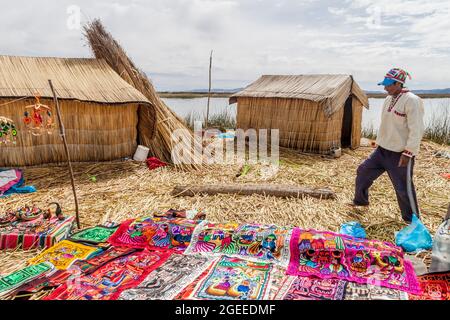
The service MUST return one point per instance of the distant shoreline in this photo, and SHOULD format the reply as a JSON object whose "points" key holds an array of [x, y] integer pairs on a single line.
{"points": [[193, 95]]}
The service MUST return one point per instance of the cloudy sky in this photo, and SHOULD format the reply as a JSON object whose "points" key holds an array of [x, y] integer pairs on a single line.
{"points": [[171, 39]]}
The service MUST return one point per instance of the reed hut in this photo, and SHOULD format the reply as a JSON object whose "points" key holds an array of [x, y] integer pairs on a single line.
{"points": [[314, 113], [103, 115]]}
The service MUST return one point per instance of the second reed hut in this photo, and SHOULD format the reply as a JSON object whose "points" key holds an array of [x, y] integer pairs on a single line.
{"points": [[104, 117], [314, 113]]}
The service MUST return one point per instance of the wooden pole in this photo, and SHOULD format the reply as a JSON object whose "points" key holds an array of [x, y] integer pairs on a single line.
{"points": [[63, 135], [283, 191], [209, 91]]}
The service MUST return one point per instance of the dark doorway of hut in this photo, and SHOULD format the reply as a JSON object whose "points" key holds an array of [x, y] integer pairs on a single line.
{"points": [[347, 122]]}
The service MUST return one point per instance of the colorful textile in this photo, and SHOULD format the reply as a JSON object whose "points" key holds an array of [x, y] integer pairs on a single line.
{"points": [[280, 283], [10, 185], [328, 255], [235, 279], [90, 265], [434, 286], [8, 178], [46, 281], [63, 254], [165, 282], [39, 233], [93, 235], [312, 288], [108, 282], [154, 233], [398, 75], [186, 293], [358, 291], [22, 276], [255, 242]]}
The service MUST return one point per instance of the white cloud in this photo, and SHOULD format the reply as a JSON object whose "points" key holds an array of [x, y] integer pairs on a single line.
{"points": [[171, 40]]}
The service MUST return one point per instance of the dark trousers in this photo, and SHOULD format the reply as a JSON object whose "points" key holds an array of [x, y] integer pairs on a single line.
{"points": [[382, 160]]}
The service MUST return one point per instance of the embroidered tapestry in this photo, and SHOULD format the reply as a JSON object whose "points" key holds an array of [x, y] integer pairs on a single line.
{"points": [[90, 265], [185, 294], [93, 235], [108, 282], [434, 286], [255, 242], [358, 291], [46, 281], [235, 279], [16, 279], [328, 255], [155, 233], [63, 254], [279, 283], [165, 282]]}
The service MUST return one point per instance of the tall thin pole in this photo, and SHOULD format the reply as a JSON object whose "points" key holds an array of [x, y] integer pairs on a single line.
{"points": [[63, 135], [209, 90]]}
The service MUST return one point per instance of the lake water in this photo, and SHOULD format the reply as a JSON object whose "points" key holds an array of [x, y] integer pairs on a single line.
{"points": [[371, 117]]}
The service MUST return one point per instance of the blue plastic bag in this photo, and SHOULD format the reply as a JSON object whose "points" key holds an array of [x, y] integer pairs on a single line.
{"points": [[414, 237], [353, 229]]}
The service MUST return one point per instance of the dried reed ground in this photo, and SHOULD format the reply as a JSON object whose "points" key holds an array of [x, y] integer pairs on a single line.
{"points": [[128, 189]]}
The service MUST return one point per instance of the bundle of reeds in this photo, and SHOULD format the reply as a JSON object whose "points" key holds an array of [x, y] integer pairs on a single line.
{"points": [[104, 46]]}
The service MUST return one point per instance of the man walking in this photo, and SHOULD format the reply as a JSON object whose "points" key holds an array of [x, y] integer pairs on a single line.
{"points": [[398, 141]]}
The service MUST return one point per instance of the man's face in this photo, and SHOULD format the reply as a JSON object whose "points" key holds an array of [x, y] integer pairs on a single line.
{"points": [[393, 89]]}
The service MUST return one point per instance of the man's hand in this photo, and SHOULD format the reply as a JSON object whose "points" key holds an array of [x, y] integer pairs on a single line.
{"points": [[404, 160]]}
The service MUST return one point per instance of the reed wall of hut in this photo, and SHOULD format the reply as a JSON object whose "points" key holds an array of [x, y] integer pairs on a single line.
{"points": [[104, 117], [313, 113], [94, 132]]}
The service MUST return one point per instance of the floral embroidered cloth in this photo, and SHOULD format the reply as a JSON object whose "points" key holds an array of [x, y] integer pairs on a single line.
{"points": [[39, 233], [328, 255], [108, 282], [93, 235], [255, 242], [155, 233], [235, 279], [434, 286], [165, 282], [63, 254]]}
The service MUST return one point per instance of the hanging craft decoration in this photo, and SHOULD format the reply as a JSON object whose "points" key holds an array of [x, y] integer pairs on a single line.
{"points": [[8, 131], [38, 118]]}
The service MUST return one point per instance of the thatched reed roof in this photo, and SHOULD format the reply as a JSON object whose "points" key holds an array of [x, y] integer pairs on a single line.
{"points": [[80, 79], [330, 91]]}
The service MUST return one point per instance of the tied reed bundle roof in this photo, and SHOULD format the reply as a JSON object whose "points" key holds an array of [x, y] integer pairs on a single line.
{"points": [[330, 91], [104, 46], [89, 80]]}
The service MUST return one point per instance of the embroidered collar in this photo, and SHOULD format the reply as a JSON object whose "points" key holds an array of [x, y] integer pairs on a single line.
{"points": [[396, 99]]}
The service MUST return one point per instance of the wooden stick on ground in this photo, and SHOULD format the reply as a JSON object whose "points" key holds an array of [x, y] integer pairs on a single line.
{"points": [[283, 191], [63, 136]]}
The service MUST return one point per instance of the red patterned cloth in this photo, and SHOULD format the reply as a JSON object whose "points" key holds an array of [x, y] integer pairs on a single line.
{"points": [[434, 286], [154, 233], [110, 280]]}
